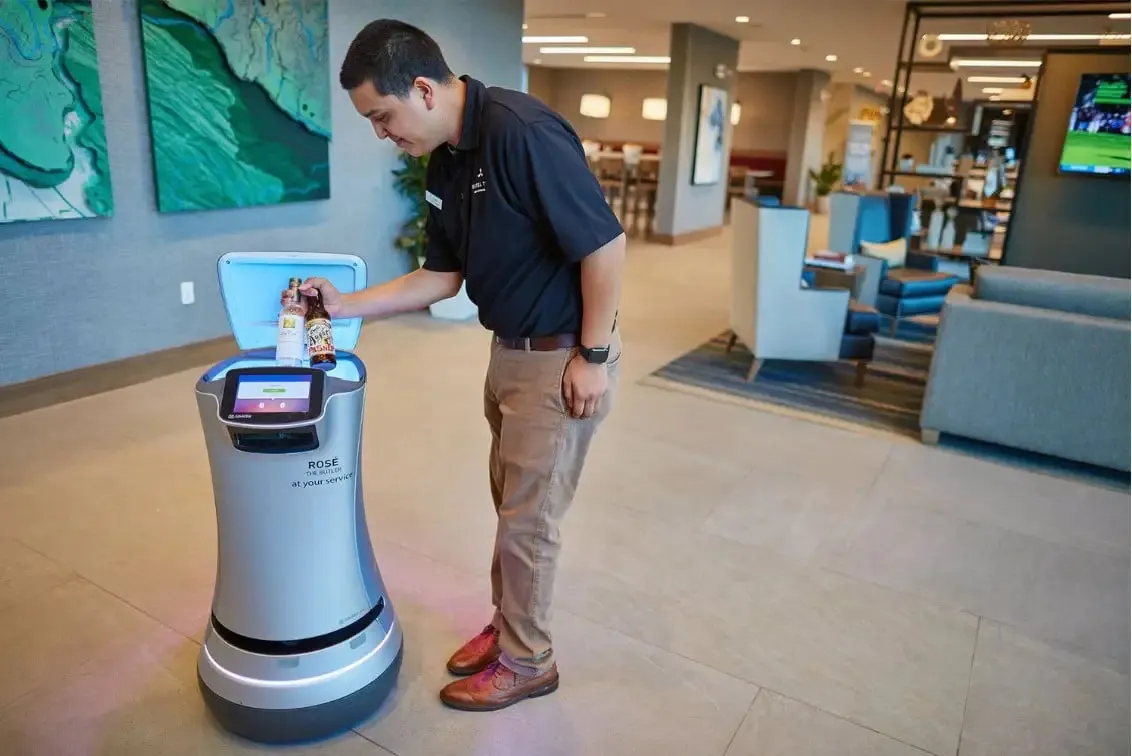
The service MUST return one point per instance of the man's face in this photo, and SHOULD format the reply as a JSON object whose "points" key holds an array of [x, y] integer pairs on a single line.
{"points": [[410, 123]]}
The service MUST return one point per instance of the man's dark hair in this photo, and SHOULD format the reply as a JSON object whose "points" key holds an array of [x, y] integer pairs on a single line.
{"points": [[390, 55]]}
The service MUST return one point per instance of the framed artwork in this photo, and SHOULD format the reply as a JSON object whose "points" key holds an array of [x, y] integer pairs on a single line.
{"points": [[707, 165], [53, 161], [239, 101]]}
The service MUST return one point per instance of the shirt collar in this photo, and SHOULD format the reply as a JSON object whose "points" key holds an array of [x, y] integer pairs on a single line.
{"points": [[476, 93]]}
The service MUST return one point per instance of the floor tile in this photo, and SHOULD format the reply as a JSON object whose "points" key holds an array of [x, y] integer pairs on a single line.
{"points": [[888, 661], [789, 513], [25, 574], [1028, 699], [618, 695], [138, 701], [1054, 509], [777, 725], [1055, 592], [46, 636]]}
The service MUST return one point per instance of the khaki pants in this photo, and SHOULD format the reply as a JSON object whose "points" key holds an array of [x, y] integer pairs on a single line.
{"points": [[537, 453]]}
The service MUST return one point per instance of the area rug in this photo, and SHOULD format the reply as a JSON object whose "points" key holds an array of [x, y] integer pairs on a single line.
{"points": [[888, 399]]}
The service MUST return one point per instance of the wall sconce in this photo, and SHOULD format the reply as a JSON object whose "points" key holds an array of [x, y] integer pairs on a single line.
{"points": [[722, 71], [595, 106], [736, 112], [654, 109]]}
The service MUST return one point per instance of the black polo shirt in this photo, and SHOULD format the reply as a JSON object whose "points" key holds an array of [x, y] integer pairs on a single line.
{"points": [[515, 208]]}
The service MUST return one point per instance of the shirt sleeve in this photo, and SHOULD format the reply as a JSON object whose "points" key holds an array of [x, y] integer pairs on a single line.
{"points": [[439, 255], [566, 193]]}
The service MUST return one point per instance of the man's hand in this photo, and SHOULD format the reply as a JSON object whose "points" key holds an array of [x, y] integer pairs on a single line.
{"points": [[583, 386], [331, 297]]}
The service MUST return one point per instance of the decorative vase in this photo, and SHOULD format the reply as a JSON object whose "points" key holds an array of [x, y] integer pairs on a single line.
{"points": [[821, 204]]}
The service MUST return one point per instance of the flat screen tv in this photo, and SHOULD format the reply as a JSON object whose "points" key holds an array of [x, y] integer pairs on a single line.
{"points": [[1099, 138]]}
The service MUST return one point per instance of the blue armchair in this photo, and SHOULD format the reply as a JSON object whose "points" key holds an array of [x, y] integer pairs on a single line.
{"points": [[875, 228]]}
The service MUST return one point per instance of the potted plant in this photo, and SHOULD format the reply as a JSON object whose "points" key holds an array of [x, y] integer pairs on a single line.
{"points": [[410, 180], [824, 182]]}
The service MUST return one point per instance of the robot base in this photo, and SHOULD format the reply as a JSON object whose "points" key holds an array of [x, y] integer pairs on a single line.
{"points": [[311, 723]]}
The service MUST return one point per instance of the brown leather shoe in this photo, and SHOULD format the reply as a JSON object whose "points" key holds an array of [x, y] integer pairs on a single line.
{"points": [[497, 687], [476, 654]]}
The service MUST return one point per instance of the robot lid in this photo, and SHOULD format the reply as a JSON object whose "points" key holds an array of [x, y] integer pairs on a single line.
{"points": [[251, 282]]}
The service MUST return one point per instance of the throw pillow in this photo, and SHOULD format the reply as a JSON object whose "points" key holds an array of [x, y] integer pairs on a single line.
{"points": [[894, 252]]}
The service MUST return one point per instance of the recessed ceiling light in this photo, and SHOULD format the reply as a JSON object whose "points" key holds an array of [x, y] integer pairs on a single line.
{"points": [[795, 41], [1120, 15], [831, 58], [555, 40], [587, 50], [627, 59], [995, 63], [742, 19], [1033, 37], [858, 70], [997, 79]]}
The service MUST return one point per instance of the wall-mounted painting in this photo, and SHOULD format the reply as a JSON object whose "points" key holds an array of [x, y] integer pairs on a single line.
{"points": [[239, 101], [53, 161], [707, 165]]}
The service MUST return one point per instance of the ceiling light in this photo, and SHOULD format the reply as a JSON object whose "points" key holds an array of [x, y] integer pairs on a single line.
{"points": [[1120, 15], [995, 63], [555, 40], [885, 83], [1033, 37], [795, 41], [627, 59], [595, 106], [654, 109], [524, 27], [742, 19], [992, 90], [997, 79], [866, 74], [858, 70], [587, 50], [994, 98], [595, 15], [831, 58]]}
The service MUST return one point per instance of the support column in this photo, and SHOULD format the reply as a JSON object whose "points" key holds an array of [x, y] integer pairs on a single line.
{"points": [[807, 134], [686, 211]]}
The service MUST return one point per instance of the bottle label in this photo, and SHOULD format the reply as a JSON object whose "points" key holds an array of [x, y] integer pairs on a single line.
{"points": [[289, 340], [320, 337]]}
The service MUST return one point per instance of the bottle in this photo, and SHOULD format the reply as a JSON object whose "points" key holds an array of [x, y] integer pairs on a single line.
{"points": [[289, 338], [320, 337]]}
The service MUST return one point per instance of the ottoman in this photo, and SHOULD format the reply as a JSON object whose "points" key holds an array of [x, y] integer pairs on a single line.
{"points": [[908, 291]]}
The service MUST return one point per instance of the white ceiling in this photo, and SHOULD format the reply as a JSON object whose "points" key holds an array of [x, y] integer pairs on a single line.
{"points": [[862, 34]]}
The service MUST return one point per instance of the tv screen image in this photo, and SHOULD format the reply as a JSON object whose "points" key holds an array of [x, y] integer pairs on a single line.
{"points": [[1099, 139]]}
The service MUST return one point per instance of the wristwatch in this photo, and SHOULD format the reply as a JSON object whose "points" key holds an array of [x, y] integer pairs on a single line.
{"points": [[594, 355]]}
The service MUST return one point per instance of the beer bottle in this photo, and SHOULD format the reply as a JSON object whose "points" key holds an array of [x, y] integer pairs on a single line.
{"points": [[289, 337], [320, 338]]}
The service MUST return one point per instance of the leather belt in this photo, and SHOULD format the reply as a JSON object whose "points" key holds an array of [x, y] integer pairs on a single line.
{"points": [[539, 343]]}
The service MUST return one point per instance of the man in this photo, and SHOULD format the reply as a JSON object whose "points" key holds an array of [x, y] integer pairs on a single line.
{"points": [[516, 213]]}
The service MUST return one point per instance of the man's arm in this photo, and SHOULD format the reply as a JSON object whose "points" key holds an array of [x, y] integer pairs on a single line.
{"points": [[601, 291], [413, 291]]}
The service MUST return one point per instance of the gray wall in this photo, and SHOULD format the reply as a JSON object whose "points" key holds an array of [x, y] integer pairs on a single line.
{"points": [[681, 207], [764, 125], [1075, 224], [805, 149], [92, 291]]}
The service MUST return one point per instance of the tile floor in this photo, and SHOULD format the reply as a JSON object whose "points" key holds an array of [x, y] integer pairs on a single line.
{"points": [[734, 582]]}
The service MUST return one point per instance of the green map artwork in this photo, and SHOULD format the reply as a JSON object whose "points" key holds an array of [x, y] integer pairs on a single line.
{"points": [[53, 161], [239, 101]]}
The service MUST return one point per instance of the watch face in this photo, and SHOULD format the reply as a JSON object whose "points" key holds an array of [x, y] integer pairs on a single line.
{"points": [[596, 355]]}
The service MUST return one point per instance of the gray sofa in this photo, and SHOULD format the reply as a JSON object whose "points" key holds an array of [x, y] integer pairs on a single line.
{"points": [[1035, 360]]}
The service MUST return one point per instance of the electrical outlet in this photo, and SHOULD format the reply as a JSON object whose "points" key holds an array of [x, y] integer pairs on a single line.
{"points": [[188, 296]]}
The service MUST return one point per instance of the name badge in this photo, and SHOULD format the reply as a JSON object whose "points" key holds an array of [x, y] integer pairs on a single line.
{"points": [[433, 200]]}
